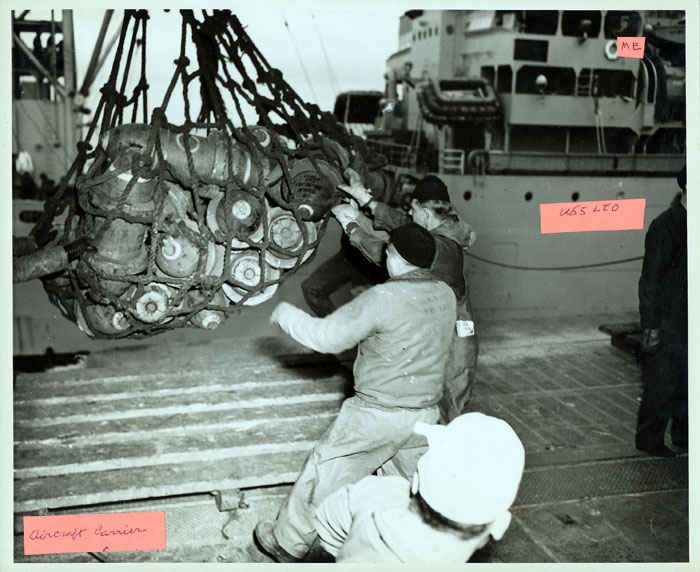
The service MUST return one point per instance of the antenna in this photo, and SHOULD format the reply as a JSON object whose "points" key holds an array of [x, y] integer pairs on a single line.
{"points": [[331, 74], [301, 61]]}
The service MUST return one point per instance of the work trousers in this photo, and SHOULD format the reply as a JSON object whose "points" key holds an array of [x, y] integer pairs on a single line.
{"points": [[459, 377], [347, 265], [360, 440], [665, 394]]}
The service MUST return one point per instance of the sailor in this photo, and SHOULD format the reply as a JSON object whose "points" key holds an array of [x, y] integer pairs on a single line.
{"points": [[663, 309], [403, 328], [457, 500], [430, 208]]}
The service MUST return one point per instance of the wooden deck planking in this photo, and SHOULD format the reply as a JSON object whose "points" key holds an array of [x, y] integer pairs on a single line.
{"points": [[106, 435]]}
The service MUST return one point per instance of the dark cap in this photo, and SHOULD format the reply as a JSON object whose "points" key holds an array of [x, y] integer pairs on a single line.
{"points": [[431, 188], [681, 178], [415, 244]]}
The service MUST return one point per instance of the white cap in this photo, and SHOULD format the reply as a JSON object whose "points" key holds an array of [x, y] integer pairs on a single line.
{"points": [[472, 469]]}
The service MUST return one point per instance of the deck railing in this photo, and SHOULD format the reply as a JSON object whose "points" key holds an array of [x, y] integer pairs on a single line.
{"points": [[452, 161], [530, 161], [397, 154]]}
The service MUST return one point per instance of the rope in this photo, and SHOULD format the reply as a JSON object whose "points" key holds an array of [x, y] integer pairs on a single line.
{"points": [[549, 268], [156, 181]]}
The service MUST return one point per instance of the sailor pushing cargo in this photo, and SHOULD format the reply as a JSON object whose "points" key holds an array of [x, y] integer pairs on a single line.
{"points": [[403, 328], [430, 208]]}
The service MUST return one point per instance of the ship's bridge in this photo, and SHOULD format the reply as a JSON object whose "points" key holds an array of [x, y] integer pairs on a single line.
{"points": [[552, 81]]}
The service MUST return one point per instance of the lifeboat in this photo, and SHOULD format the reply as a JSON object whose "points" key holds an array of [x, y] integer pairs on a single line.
{"points": [[460, 101]]}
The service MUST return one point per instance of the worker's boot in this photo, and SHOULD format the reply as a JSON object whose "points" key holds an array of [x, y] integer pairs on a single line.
{"points": [[265, 538]]}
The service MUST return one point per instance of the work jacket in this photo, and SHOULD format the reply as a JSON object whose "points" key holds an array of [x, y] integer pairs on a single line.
{"points": [[402, 328], [452, 238], [370, 521], [663, 285]]}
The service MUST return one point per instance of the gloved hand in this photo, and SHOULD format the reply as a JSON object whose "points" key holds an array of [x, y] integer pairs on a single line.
{"points": [[355, 189], [346, 213], [650, 340], [353, 176], [279, 312]]}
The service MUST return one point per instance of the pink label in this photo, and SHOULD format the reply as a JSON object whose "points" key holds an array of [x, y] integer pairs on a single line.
{"points": [[630, 47], [626, 214], [94, 532]]}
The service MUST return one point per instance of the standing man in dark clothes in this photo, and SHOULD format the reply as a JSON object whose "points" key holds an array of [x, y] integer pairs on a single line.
{"points": [[663, 307]]}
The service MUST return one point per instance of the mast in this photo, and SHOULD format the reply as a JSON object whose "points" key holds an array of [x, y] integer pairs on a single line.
{"points": [[70, 128]]}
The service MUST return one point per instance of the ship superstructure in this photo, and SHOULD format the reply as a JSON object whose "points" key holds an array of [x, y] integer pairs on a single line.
{"points": [[44, 119], [534, 91], [518, 108]]}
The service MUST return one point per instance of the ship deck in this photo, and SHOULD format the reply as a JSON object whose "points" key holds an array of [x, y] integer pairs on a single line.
{"points": [[214, 434]]}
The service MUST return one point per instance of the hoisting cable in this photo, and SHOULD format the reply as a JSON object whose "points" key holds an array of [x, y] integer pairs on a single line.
{"points": [[549, 268], [301, 61], [331, 74]]}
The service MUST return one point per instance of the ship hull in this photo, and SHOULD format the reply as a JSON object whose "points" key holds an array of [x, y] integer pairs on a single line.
{"points": [[508, 232]]}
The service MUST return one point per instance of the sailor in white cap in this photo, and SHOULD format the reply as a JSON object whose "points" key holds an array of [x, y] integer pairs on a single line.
{"points": [[457, 500]]}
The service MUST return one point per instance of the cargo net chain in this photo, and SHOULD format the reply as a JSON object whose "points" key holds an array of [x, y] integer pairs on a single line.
{"points": [[179, 229]]}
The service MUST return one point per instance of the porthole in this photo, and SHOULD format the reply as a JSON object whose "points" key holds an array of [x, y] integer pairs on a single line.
{"points": [[449, 29], [528, 196], [575, 196], [467, 195]]}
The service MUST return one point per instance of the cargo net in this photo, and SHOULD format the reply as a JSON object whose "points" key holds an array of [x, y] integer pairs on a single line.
{"points": [[184, 224]]}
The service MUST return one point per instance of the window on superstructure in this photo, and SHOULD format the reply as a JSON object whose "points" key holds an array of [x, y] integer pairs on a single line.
{"points": [[613, 83], [537, 138], [505, 79], [559, 81], [622, 23], [583, 140], [533, 50], [357, 107], [578, 22], [430, 31], [538, 21]]}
